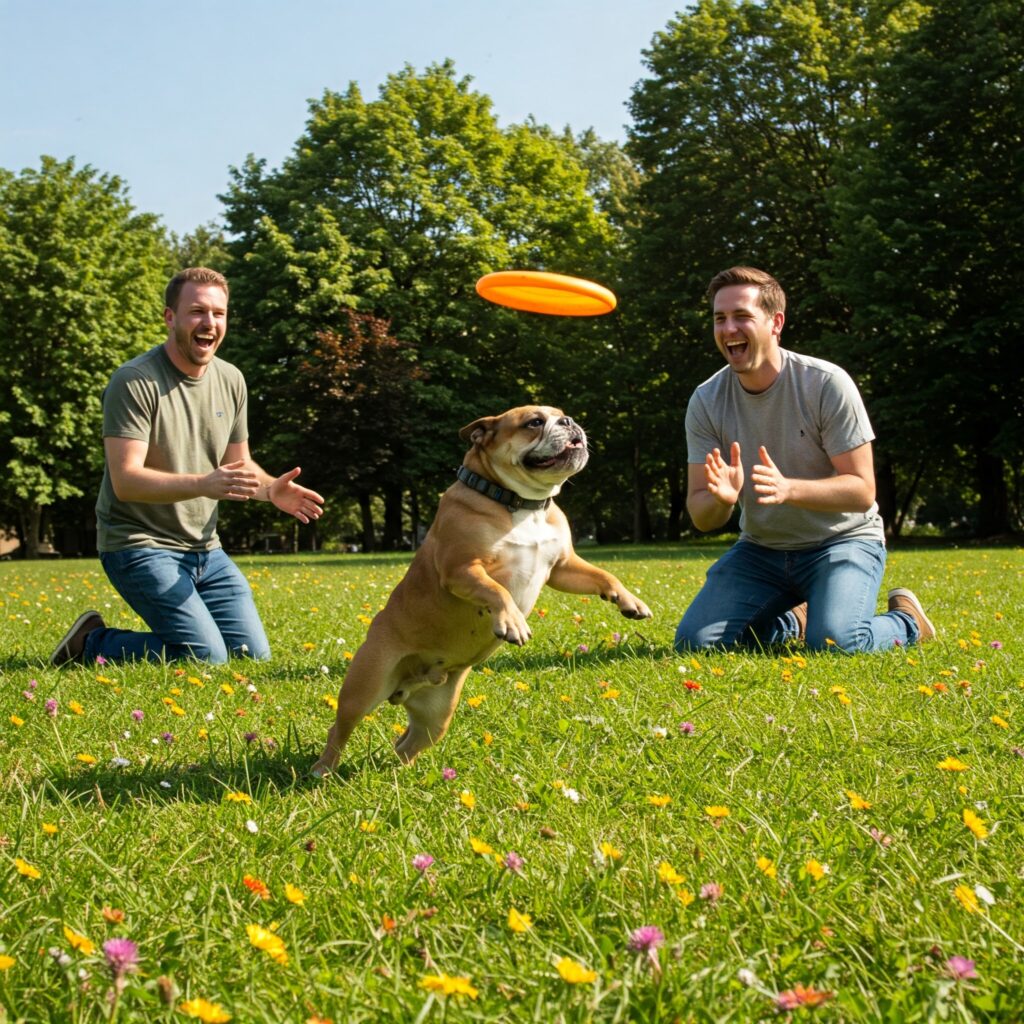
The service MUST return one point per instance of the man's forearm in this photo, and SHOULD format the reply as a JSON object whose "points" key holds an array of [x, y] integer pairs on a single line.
{"points": [[707, 512], [157, 487]]}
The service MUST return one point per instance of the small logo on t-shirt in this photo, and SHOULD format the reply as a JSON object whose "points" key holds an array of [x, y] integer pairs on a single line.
{"points": [[219, 413]]}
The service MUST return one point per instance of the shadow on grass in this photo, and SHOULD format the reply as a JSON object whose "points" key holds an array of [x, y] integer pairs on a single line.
{"points": [[537, 657], [265, 774]]}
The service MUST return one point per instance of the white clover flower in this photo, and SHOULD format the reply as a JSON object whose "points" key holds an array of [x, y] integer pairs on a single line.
{"points": [[252, 826]]}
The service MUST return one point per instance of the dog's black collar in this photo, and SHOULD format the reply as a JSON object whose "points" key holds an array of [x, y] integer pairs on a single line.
{"points": [[502, 495]]}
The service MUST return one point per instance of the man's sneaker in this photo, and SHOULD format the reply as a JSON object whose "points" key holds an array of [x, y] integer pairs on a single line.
{"points": [[903, 600], [72, 645], [800, 611]]}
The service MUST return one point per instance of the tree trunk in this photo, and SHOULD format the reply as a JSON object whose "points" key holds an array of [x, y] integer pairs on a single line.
{"points": [[676, 502], [393, 519], [31, 518], [366, 514], [993, 499], [885, 495]]}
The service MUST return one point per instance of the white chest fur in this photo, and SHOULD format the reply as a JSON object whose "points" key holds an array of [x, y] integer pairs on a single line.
{"points": [[526, 554]]}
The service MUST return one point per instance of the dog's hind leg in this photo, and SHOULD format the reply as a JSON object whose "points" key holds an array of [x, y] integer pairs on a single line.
{"points": [[430, 711], [369, 681]]}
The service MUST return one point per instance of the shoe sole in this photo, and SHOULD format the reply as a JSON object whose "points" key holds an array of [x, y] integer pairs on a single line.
{"points": [[61, 655], [912, 598]]}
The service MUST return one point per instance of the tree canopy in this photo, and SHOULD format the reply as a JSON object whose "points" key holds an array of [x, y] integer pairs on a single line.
{"points": [[79, 272]]}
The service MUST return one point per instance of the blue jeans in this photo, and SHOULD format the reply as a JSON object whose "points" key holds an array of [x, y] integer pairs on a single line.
{"points": [[197, 604], [749, 591]]}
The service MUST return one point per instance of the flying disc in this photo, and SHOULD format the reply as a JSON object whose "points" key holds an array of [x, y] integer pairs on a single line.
{"points": [[538, 291]]}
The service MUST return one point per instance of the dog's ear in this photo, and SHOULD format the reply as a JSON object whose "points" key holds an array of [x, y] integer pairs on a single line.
{"points": [[475, 432]]}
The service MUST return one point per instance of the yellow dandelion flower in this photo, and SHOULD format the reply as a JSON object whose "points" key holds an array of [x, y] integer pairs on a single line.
{"points": [[76, 707], [767, 867], [816, 870], [609, 851], [565, 698], [195, 682], [695, 664], [50, 830], [26, 869], [575, 973], [467, 799], [975, 824], [6, 962], [449, 986], [307, 646], [79, 942], [15, 720], [175, 710], [843, 698], [268, 942], [611, 694], [952, 764], [965, 894], [480, 847], [857, 802], [330, 701], [518, 922], [927, 691], [367, 826], [203, 734], [227, 688], [488, 739], [207, 1012], [85, 758], [238, 798], [685, 896], [717, 811], [293, 894], [475, 702], [522, 687], [1001, 722], [659, 800], [668, 874]]}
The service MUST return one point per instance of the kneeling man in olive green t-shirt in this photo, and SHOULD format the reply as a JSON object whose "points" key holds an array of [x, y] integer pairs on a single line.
{"points": [[175, 437]]}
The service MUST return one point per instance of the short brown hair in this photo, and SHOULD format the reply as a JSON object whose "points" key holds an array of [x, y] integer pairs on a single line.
{"points": [[771, 297], [197, 275]]}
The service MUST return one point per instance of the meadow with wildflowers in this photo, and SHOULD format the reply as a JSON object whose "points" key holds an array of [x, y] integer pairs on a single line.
{"points": [[609, 832]]}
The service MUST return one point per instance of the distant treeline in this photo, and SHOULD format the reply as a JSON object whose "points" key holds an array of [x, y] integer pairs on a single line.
{"points": [[869, 154]]}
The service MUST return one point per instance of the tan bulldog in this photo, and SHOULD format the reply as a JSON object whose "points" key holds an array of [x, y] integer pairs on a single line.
{"points": [[498, 537]]}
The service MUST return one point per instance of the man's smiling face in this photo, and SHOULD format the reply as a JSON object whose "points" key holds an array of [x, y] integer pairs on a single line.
{"points": [[197, 327], [748, 336]]}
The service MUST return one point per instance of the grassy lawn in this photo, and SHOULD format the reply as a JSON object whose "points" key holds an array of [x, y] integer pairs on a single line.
{"points": [[799, 829]]}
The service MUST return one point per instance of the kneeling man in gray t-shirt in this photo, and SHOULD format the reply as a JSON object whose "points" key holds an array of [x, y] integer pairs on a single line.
{"points": [[787, 438]]}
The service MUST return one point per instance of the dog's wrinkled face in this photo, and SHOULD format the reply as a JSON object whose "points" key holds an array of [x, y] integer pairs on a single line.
{"points": [[532, 449]]}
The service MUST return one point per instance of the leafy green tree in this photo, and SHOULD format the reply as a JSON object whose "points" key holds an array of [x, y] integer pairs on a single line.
{"points": [[931, 224], [737, 131], [81, 273], [395, 207]]}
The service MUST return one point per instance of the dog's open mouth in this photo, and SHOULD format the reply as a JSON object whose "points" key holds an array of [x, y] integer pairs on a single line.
{"points": [[572, 451]]}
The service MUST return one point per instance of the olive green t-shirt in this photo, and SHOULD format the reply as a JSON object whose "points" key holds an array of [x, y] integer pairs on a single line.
{"points": [[188, 423]]}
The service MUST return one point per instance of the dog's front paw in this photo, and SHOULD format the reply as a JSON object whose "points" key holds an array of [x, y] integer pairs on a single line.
{"points": [[510, 626], [632, 607]]}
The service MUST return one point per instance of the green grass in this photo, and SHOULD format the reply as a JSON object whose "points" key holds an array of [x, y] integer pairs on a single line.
{"points": [[778, 739]]}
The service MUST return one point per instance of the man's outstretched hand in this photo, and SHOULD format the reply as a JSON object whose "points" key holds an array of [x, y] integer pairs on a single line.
{"points": [[298, 501]]}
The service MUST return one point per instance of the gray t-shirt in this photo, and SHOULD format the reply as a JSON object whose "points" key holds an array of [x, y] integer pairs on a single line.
{"points": [[188, 423], [811, 412]]}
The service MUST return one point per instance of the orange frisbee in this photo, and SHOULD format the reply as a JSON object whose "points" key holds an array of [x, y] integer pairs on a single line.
{"points": [[538, 291]]}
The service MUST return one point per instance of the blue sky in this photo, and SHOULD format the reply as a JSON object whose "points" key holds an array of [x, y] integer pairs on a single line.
{"points": [[169, 96]]}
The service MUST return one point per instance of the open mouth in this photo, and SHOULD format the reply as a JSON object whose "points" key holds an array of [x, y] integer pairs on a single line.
{"points": [[737, 351], [571, 451]]}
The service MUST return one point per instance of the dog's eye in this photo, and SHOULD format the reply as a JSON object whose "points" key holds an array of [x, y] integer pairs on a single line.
{"points": [[535, 422]]}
